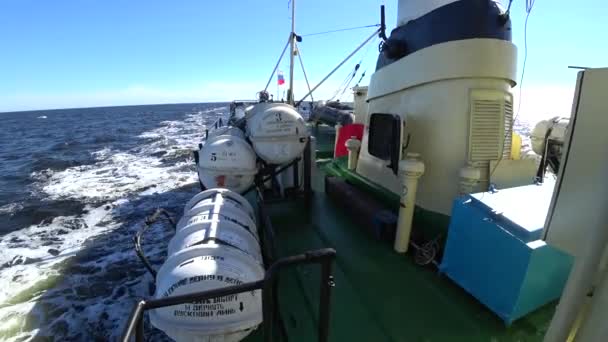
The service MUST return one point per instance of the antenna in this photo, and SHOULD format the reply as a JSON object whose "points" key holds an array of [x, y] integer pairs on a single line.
{"points": [[382, 33]]}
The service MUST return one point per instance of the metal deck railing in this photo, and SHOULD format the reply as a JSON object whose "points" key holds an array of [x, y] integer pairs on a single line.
{"points": [[270, 306], [324, 257]]}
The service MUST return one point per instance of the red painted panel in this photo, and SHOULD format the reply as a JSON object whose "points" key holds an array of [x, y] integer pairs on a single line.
{"points": [[347, 132]]}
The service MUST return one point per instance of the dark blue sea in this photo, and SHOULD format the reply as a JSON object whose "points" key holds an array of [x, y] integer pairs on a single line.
{"points": [[75, 185]]}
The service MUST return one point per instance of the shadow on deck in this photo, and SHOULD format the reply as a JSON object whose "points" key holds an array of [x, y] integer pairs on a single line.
{"points": [[379, 295]]}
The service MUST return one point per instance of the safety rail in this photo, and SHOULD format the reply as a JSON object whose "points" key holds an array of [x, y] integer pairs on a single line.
{"points": [[324, 257], [217, 124]]}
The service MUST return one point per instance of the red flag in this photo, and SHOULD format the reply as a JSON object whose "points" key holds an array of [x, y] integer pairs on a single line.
{"points": [[280, 79]]}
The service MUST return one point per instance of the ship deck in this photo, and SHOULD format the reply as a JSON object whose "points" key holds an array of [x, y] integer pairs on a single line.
{"points": [[379, 295]]}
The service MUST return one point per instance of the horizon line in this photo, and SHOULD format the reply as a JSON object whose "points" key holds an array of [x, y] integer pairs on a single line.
{"points": [[111, 106]]}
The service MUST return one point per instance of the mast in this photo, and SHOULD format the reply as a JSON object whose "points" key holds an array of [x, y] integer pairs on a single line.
{"points": [[290, 97]]}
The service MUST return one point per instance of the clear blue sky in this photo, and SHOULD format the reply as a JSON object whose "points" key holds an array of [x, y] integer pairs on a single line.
{"points": [[57, 54]]}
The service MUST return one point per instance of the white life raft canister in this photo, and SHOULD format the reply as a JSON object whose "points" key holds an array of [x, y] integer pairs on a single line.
{"points": [[277, 131], [227, 161], [211, 253], [557, 125], [216, 204]]}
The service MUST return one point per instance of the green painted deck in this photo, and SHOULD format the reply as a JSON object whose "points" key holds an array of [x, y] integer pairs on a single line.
{"points": [[379, 294]]}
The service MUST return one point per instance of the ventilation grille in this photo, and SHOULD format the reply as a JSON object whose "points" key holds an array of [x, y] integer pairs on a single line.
{"points": [[508, 132], [491, 117]]}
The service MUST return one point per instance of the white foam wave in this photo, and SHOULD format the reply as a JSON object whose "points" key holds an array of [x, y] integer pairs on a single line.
{"points": [[30, 251], [11, 208], [119, 175], [86, 290], [143, 169], [76, 277]]}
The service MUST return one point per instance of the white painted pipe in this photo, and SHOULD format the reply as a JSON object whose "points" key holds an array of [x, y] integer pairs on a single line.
{"points": [[469, 178], [353, 145], [410, 170], [337, 127]]}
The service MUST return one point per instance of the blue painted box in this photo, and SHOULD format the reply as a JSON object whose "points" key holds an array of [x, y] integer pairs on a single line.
{"points": [[495, 253]]}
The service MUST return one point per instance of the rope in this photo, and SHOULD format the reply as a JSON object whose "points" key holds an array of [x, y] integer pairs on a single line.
{"points": [[138, 237], [339, 30]]}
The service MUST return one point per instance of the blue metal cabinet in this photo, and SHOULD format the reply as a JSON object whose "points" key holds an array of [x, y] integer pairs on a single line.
{"points": [[493, 251]]}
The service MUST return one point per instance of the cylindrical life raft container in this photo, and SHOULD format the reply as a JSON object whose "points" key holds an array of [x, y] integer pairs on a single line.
{"points": [[226, 160], [217, 246], [226, 130], [219, 204], [277, 131]]}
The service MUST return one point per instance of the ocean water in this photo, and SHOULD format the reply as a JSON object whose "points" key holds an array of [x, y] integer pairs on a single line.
{"points": [[75, 186]]}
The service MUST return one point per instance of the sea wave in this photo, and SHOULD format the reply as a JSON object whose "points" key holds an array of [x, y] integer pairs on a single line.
{"points": [[76, 276]]}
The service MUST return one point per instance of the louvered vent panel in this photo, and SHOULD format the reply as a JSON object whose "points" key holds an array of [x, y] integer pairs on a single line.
{"points": [[490, 118], [508, 131]]}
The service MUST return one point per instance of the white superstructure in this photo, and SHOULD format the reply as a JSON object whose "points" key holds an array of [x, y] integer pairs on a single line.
{"points": [[454, 105]]}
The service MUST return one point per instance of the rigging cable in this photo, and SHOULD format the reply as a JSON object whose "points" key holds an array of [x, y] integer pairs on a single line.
{"points": [[529, 6], [349, 81], [508, 11], [340, 30], [340, 64], [346, 81], [363, 58], [361, 78], [365, 55], [304, 71], [278, 62], [356, 69]]}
